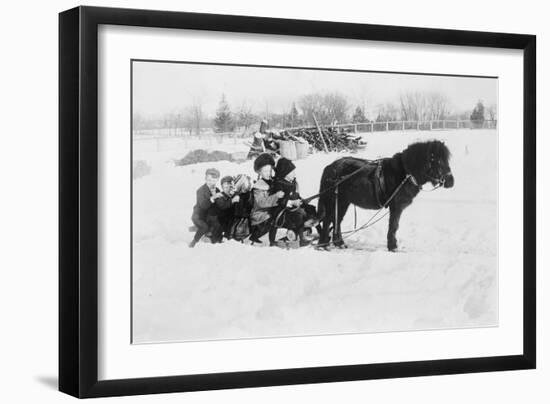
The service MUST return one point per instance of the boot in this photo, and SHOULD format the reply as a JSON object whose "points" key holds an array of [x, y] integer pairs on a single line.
{"points": [[303, 240], [254, 240], [304, 243]]}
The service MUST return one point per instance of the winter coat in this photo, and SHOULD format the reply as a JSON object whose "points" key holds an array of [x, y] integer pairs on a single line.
{"points": [[290, 188], [203, 204], [221, 206], [264, 201], [244, 206], [222, 210]]}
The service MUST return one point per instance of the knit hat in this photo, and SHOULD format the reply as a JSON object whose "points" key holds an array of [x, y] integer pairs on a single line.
{"points": [[213, 172], [225, 179], [264, 159], [284, 166], [243, 183]]}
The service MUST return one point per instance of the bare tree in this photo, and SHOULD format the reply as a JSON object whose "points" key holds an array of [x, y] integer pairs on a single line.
{"points": [[197, 117], [437, 106], [311, 104], [416, 106], [245, 116], [491, 112], [266, 113], [413, 106], [193, 118], [171, 123], [336, 107], [327, 108], [387, 112]]}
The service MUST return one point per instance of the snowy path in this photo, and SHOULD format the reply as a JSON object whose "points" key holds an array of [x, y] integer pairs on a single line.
{"points": [[444, 276]]}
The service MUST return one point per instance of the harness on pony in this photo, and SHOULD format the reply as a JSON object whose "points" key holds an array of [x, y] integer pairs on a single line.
{"points": [[379, 189], [379, 185]]}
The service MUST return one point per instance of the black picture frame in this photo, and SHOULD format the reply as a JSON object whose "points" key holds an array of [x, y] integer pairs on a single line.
{"points": [[78, 201]]}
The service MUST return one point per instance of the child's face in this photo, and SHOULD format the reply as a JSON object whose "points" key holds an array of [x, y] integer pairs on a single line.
{"points": [[265, 172], [227, 187], [211, 181], [291, 176]]}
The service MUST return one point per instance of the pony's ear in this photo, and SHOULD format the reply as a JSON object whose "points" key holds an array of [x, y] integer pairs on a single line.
{"points": [[416, 158], [442, 150]]}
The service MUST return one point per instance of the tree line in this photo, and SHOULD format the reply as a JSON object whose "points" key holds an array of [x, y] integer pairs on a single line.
{"points": [[327, 108]]}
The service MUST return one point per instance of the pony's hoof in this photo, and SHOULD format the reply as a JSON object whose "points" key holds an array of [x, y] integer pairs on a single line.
{"points": [[341, 246]]}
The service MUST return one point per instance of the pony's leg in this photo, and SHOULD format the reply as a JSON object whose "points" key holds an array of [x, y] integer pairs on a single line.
{"points": [[342, 209], [395, 215], [325, 211], [324, 229]]}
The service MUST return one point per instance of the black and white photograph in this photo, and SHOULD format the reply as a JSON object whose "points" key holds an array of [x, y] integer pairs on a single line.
{"points": [[287, 201], [275, 202]]}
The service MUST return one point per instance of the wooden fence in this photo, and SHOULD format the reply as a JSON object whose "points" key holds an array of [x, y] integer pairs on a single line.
{"points": [[211, 138], [386, 126]]}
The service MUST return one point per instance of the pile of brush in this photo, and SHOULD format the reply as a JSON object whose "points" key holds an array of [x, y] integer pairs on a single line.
{"points": [[203, 156], [327, 138]]}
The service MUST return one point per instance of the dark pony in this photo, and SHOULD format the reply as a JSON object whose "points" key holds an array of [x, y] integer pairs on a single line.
{"points": [[371, 183]]}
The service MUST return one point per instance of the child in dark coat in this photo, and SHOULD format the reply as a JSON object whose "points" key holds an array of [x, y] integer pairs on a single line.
{"points": [[206, 196], [294, 215], [223, 209]]}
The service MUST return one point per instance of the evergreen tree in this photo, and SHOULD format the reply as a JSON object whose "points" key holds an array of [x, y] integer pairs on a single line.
{"points": [[293, 115], [478, 114], [223, 121], [359, 115]]}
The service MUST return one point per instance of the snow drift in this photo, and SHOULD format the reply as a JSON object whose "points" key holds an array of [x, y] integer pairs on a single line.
{"points": [[445, 275]]}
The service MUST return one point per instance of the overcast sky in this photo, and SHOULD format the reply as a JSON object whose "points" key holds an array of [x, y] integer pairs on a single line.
{"points": [[160, 88]]}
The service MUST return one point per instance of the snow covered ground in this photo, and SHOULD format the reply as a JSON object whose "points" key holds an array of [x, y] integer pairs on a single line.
{"points": [[445, 275]]}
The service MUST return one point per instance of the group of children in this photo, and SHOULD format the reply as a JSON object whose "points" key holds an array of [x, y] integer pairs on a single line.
{"points": [[244, 209]]}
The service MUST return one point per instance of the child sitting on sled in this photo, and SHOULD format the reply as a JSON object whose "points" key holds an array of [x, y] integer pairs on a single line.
{"points": [[206, 196], [291, 212], [264, 200], [223, 209], [211, 206], [240, 226]]}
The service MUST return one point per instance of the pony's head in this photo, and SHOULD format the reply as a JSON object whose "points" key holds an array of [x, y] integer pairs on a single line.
{"points": [[429, 162]]}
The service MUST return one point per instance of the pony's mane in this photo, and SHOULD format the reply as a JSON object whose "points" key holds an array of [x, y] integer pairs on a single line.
{"points": [[417, 155]]}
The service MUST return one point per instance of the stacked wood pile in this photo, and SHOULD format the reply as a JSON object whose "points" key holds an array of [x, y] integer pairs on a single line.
{"points": [[326, 139]]}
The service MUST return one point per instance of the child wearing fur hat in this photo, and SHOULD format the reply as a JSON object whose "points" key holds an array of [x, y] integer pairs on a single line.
{"points": [[264, 200], [295, 215], [285, 180]]}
